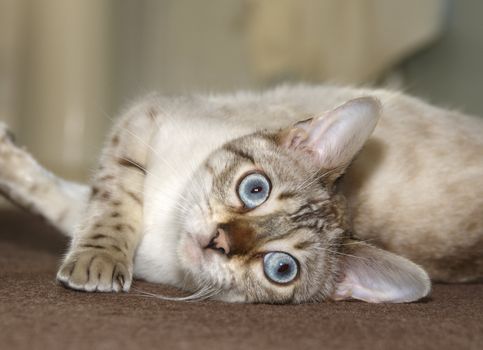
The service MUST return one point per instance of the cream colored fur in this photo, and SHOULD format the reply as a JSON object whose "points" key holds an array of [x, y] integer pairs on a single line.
{"points": [[415, 189]]}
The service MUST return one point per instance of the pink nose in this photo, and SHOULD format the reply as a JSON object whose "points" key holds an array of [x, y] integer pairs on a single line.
{"points": [[220, 242]]}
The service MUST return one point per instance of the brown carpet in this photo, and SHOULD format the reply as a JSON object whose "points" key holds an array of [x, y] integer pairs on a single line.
{"points": [[36, 313]]}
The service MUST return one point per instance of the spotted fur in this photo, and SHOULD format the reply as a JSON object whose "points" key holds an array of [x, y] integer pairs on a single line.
{"points": [[167, 183]]}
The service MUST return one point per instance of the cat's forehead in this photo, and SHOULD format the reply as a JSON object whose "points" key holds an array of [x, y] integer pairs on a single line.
{"points": [[248, 149], [259, 151]]}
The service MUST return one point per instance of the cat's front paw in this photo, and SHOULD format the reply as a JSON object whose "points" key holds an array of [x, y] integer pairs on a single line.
{"points": [[92, 270]]}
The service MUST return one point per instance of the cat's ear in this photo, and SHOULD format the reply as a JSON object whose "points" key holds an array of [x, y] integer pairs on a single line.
{"points": [[378, 276], [335, 137]]}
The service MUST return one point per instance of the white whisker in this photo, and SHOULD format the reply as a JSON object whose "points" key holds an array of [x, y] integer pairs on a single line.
{"points": [[203, 293]]}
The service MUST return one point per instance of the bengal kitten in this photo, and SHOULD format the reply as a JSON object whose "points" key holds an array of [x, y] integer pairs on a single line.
{"points": [[261, 198]]}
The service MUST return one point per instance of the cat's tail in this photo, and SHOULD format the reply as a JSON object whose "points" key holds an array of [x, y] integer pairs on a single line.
{"points": [[26, 183]]}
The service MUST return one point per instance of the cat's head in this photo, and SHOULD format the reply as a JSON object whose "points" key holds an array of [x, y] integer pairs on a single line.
{"points": [[264, 223]]}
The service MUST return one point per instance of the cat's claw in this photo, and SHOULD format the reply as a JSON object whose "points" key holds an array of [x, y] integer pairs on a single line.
{"points": [[94, 271]]}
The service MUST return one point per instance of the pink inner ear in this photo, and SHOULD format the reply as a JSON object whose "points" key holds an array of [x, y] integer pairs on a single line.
{"points": [[338, 135], [351, 288], [377, 276]]}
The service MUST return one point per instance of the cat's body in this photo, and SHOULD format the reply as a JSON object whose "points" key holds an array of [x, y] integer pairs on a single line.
{"points": [[415, 189]]}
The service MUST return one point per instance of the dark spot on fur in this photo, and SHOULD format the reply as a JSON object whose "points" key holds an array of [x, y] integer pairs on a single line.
{"points": [[115, 214], [106, 195], [303, 245], [115, 247], [115, 140], [122, 227], [317, 215], [106, 178], [98, 236], [96, 246], [286, 195], [94, 191], [239, 153], [134, 197], [129, 163]]}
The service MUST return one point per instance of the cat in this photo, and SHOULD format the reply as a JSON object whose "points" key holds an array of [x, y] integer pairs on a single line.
{"points": [[288, 196]]}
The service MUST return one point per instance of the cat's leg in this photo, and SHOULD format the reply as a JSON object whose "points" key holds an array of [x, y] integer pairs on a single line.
{"points": [[102, 250], [26, 183]]}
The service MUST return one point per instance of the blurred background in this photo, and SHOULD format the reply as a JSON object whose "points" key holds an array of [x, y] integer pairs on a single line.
{"points": [[68, 66]]}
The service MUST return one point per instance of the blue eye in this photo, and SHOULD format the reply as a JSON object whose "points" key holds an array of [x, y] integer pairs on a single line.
{"points": [[280, 267], [253, 190]]}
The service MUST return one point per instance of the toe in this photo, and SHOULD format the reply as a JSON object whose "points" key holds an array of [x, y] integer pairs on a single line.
{"points": [[103, 270], [64, 272]]}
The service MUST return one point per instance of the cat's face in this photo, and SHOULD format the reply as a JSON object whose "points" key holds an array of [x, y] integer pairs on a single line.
{"points": [[261, 225], [261, 221]]}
